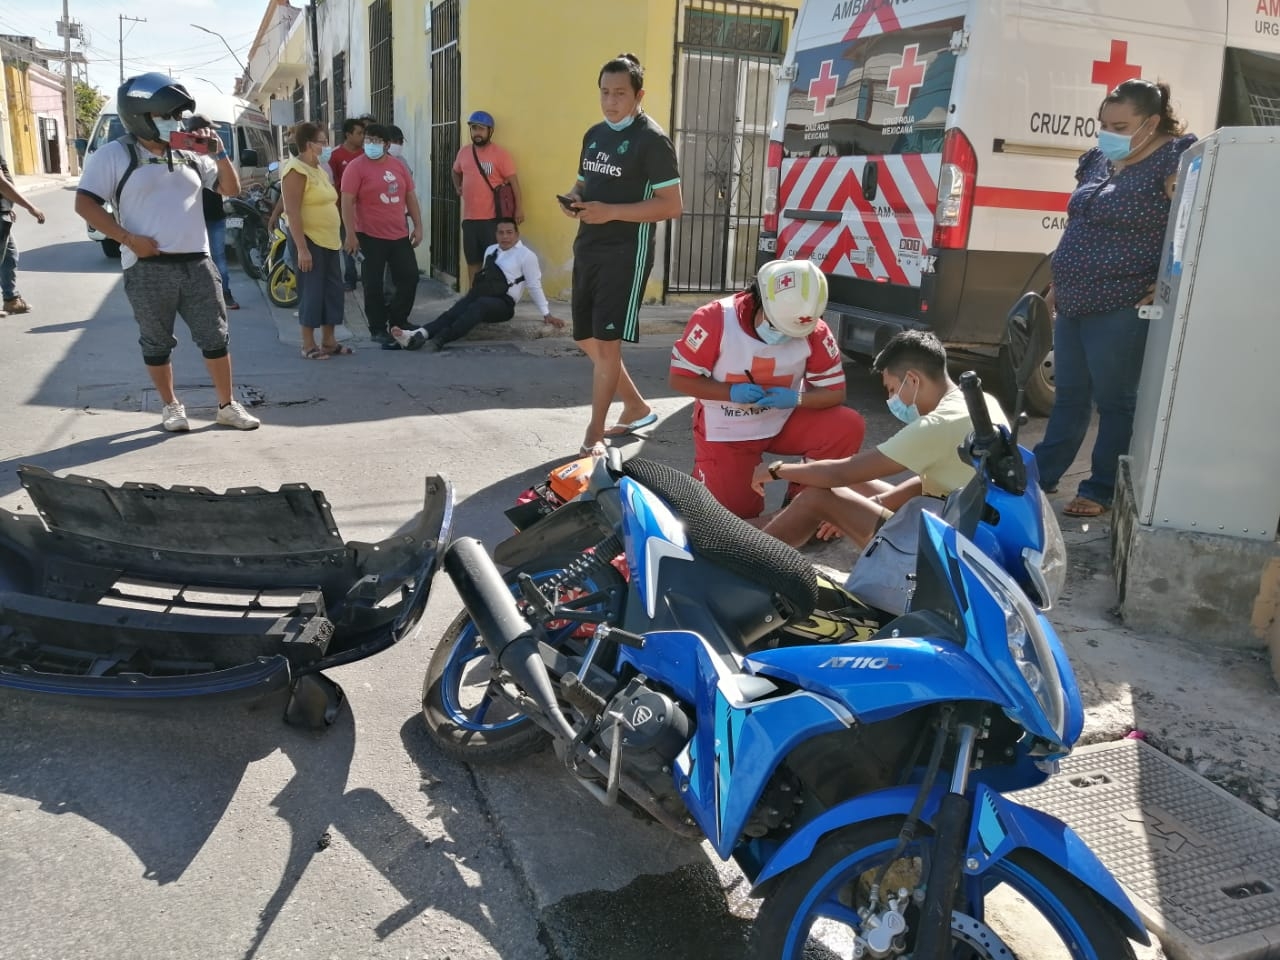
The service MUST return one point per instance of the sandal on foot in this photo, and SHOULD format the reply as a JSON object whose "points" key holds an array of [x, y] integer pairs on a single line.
{"points": [[619, 430], [598, 449], [315, 353], [337, 349], [1084, 507]]}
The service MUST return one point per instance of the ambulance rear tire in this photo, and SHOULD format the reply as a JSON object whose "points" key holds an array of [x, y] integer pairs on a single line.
{"points": [[1040, 388]]}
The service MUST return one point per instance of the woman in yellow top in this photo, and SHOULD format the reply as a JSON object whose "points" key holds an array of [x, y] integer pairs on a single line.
{"points": [[311, 205]]}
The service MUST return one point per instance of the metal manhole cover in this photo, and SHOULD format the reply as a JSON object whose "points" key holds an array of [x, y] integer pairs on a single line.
{"points": [[1202, 867]]}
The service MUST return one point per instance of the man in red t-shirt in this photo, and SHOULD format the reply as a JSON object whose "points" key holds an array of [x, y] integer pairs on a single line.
{"points": [[480, 166], [352, 146], [377, 194], [767, 375]]}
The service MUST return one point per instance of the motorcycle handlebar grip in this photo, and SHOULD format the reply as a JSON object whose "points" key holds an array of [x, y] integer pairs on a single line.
{"points": [[976, 401], [486, 597]]}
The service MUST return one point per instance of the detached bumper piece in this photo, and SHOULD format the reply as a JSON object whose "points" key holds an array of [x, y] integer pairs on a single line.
{"points": [[141, 594]]}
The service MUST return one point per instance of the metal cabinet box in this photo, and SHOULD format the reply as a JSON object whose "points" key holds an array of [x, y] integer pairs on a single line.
{"points": [[1205, 454]]}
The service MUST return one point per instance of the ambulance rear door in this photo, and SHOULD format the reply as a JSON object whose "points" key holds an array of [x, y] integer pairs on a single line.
{"points": [[865, 116]]}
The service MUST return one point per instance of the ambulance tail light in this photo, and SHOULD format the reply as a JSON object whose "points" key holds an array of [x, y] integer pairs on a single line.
{"points": [[772, 181], [956, 185]]}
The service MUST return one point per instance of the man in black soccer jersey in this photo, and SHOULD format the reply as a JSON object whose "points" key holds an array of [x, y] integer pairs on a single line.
{"points": [[628, 180]]}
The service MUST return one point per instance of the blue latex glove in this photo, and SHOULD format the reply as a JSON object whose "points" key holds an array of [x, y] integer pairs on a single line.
{"points": [[780, 398], [746, 392]]}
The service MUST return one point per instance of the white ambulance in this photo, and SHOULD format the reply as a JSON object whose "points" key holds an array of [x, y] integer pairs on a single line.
{"points": [[923, 151]]}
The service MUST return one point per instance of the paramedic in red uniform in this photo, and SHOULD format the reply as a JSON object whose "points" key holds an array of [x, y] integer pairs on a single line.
{"points": [[766, 380]]}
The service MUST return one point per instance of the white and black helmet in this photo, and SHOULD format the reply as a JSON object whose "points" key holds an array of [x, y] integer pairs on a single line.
{"points": [[140, 100], [793, 294]]}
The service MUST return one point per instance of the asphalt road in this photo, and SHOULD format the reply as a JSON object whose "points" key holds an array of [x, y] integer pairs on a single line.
{"points": [[230, 835]]}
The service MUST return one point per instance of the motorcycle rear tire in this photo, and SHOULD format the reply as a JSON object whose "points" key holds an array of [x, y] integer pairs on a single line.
{"points": [[1099, 933], [282, 286], [250, 249], [510, 741]]}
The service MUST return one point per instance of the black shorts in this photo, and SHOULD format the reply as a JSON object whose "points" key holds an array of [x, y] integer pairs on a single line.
{"points": [[477, 237], [607, 292]]}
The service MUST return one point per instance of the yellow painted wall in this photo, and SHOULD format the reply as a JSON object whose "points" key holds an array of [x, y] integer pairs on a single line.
{"points": [[534, 67], [411, 76], [24, 157]]}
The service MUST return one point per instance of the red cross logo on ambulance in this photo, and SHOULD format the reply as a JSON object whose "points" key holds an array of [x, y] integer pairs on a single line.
{"points": [[823, 87], [1115, 71], [907, 76]]}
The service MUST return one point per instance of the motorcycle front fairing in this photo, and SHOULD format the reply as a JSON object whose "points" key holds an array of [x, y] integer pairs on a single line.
{"points": [[146, 594]]}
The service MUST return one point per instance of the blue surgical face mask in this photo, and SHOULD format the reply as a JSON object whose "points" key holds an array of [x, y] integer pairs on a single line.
{"points": [[620, 126], [770, 334], [374, 151], [906, 412], [325, 154], [1116, 146]]}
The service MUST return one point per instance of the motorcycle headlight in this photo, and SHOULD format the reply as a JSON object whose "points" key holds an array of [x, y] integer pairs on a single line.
{"points": [[1027, 643], [1047, 568]]}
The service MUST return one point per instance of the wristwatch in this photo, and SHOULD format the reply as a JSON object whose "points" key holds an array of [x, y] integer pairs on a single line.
{"points": [[773, 469]]}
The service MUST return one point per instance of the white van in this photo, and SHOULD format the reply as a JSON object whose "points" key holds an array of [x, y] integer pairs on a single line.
{"points": [[923, 151], [242, 127]]}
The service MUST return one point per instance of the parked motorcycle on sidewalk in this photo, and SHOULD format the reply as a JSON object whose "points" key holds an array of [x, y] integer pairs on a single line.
{"points": [[247, 218], [858, 785], [282, 279]]}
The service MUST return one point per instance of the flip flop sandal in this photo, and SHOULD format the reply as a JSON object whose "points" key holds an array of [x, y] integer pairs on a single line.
{"points": [[627, 429], [315, 353], [337, 349], [1084, 507]]}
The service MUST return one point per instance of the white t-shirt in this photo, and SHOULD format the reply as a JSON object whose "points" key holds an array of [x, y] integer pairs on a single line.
{"points": [[167, 206]]}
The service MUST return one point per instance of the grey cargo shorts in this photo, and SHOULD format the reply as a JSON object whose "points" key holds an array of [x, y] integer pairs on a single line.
{"points": [[159, 289]]}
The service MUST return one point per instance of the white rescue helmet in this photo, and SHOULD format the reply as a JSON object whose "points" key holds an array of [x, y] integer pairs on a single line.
{"points": [[793, 294]]}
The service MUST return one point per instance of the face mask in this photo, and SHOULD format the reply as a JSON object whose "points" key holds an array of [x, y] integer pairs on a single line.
{"points": [[325, 154], [396, 149], [167, 127], [373, 151], [906, 412], [770, 334], [620, 126], [1116, 146]]}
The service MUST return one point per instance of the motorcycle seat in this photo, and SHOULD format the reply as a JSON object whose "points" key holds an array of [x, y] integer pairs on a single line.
{"points": [[729, 541]]}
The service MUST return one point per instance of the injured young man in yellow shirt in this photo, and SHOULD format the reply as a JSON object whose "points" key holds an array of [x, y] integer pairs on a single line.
{"points": [[854, 496]]}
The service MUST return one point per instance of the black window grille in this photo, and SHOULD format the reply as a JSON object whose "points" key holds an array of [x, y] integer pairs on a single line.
{"points": [[339, 93], [381, 101], [322, 105], [299, 103], [446, 107]]}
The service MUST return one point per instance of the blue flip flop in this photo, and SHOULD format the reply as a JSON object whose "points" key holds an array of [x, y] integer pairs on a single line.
{"points": [[627, 429]]}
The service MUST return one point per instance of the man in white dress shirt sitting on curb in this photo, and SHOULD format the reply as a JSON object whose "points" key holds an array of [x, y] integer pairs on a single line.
{"points": [[509, 268]]}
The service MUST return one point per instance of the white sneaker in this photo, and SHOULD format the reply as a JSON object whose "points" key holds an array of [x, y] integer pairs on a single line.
{"points": [[174, 417], [234, 415]]}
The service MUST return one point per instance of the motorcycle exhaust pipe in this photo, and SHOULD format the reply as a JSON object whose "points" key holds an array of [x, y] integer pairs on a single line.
{"points": [[505, 632]]}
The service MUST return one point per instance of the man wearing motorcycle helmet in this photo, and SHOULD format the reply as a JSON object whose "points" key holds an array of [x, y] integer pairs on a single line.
{"points": [[767, 375], [159, 224], [480, 167], [855, 495]]}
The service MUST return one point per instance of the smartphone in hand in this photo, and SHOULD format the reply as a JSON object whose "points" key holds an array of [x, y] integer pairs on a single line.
{"points": [[567, 202], [185, 140]]}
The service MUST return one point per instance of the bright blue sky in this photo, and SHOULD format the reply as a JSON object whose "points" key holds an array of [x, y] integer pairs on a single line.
{"points": [[166, 42]]}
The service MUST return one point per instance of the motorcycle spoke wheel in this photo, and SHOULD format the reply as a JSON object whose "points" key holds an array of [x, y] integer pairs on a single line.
{"points": [[1022, 907], [465, 713]]}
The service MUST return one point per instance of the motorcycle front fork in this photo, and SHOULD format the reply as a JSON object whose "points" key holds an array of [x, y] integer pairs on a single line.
{"points": [[951, 834]]}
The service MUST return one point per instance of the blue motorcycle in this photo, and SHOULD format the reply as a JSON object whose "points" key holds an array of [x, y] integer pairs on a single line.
{"points": [[860, 786]]}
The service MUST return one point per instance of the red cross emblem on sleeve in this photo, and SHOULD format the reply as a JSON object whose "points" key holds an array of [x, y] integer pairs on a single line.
{"points": [[906, 76], [1111, 73], [822, 88]]}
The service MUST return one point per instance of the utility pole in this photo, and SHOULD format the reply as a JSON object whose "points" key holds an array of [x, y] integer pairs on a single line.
{"points": [[123, 18], [73, 159]]}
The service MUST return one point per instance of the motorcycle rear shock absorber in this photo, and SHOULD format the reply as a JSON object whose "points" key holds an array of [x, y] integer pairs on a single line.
{"points": [[590, 562]]}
